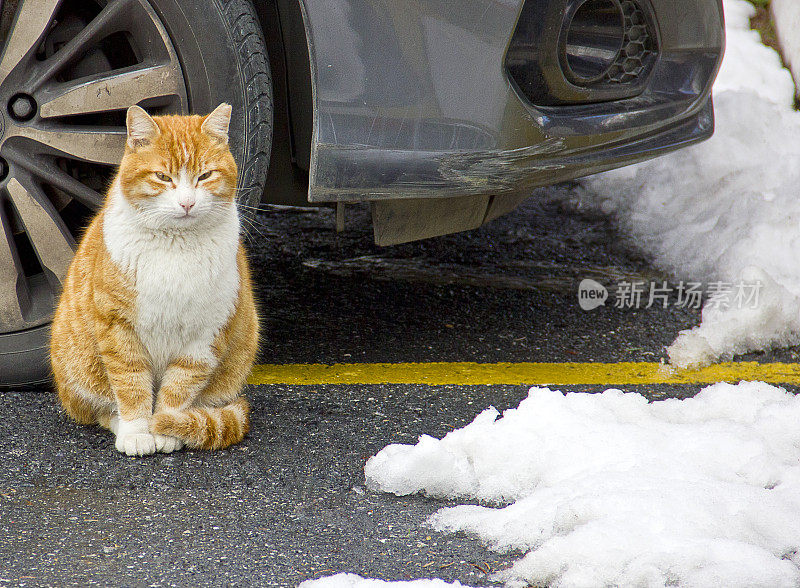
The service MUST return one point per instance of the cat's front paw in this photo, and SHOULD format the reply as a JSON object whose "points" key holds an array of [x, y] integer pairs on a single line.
{"points": [[167, 444], [138, 444], [134, 438]]}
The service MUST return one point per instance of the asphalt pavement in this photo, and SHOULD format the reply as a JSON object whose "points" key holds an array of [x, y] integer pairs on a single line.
{"points": [[289, 503]]}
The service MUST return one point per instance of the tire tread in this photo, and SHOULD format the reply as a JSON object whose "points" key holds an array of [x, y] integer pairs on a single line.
{"points": [[244, 31]]}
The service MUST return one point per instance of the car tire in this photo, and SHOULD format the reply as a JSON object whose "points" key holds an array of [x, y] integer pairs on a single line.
{"points": [[218, 45], [223, 58]]}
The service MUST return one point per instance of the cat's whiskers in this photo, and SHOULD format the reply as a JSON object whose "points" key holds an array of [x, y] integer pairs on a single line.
{"points": [[247, 225]]}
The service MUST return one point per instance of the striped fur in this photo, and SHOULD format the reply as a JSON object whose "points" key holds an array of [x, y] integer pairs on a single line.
{"points": [[206, 427], [156, 330]]}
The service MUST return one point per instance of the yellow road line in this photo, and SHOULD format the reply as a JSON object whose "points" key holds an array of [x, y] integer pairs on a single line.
{"points": [[554, 374]]}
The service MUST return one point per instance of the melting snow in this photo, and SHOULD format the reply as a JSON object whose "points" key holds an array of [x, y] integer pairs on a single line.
{"points": [[608, 489], [726, 210]]}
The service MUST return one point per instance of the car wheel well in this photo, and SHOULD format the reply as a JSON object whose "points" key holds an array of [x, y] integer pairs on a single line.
{"points": [[285, 35]]}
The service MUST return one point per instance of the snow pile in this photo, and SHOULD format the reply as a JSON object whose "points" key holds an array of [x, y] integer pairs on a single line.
{"points": [[750, 66], [726, 210], [608, 489], [786, 15], [353, 581]]}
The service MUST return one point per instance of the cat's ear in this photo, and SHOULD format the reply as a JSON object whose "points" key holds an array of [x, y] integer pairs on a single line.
{"points": [[216, 123], [142, 129]]}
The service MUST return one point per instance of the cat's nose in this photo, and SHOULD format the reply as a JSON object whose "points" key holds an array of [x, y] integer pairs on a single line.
{"points": [[187, 206]]}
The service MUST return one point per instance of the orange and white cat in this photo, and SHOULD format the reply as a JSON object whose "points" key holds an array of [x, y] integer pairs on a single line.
{"points": [[156, 329]]}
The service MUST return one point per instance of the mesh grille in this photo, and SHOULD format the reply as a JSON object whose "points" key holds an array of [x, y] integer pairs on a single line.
{"points": [[545, 49], [638, 48]]}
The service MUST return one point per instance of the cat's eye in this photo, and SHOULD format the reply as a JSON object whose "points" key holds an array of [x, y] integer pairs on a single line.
{"points": [[204, 176], [163, 177]]}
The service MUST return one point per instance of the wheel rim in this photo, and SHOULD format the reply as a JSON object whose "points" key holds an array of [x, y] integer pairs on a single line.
{"points": [[68, 71]]}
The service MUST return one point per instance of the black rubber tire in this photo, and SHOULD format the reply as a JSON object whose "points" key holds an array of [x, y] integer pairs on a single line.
{"points": [[224, 59]]}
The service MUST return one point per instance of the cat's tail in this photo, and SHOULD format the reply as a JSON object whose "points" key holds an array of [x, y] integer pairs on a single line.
{"points": [[206, 427]]}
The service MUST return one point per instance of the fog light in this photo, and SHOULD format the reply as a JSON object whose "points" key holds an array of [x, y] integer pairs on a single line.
{"points": [[593, 40]]}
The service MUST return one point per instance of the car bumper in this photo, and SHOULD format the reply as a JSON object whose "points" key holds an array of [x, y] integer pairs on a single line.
{"points": [[415, 100]]}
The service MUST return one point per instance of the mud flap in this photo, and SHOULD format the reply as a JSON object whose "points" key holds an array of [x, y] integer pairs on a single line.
{"points": [[401, 221]]}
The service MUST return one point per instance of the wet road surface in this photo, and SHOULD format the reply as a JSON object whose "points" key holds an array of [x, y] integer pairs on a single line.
{"points": [[289, 503]]}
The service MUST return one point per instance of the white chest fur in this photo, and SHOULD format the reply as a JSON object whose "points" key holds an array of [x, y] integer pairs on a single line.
{"points": [[186, 283]]}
